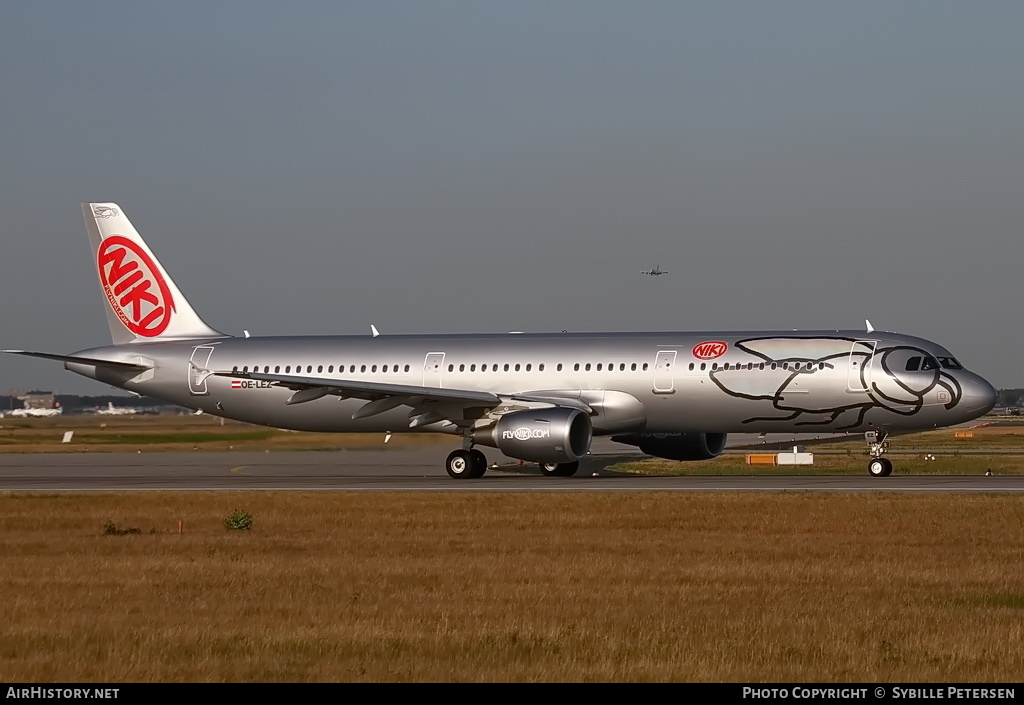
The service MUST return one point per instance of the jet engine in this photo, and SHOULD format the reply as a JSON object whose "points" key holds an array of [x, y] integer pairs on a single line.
{"points": [[553, 435], [677, 446]]}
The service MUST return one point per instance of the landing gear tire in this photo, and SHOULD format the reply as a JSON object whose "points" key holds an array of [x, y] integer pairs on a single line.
{"points": [[459, 464], [479, 463], [560, 469], [880, 467]]}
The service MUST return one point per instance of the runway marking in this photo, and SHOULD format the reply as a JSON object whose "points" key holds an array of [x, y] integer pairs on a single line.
{"points": [[237, 470]]}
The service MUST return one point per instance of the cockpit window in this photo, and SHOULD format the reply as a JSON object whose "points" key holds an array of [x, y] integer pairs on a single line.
{"points": [[913, 364], [950, 363], [929, 363]]}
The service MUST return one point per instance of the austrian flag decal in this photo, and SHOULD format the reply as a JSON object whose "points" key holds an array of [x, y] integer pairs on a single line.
{"points": [[236, 384], [710, 350], [134, 287]]}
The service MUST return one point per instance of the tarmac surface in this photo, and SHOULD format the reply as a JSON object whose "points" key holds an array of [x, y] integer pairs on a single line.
{"points": [[412, 470]]}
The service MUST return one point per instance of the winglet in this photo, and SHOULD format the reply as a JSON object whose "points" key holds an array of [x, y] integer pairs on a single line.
{"points": [[871, 328]]}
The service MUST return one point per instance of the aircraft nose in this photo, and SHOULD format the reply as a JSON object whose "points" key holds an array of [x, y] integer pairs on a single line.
{"points": [[979, 397]]}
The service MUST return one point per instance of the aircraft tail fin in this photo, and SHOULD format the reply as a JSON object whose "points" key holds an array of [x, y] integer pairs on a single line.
{"points": [[142, 301]]}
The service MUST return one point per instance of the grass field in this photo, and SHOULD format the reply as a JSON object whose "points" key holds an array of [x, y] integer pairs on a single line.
{"points": [[173, 432], [346, 587], [512, 587]]}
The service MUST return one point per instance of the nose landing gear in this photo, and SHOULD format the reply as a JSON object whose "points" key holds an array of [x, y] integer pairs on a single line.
{"points": [[877, 445]]}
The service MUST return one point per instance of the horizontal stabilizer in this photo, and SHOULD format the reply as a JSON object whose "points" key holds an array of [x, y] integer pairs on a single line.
{"points": [[82, 360]]}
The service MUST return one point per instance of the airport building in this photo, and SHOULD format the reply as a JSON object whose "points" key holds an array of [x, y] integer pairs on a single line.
{"points": [[35, 399]]}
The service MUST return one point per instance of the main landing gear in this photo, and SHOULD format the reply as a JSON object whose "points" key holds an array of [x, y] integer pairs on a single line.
{"points": [[466, 462], [560, 469], [877, 444]]}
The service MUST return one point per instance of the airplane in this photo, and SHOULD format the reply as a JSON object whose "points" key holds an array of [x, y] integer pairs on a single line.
{"points": [[112, 410], [26, 412], [537, 397], [656, 272]]}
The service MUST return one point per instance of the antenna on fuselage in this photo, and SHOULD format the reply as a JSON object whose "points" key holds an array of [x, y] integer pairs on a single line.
{"points": [[373, 328], [871, 328]]}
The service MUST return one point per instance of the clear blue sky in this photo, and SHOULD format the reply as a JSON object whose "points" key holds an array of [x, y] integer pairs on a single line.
{"points": [[315, 167]]}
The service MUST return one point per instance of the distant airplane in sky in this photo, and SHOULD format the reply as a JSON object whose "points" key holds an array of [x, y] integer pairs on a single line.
{"points": [[538, 397], [656, 272]]}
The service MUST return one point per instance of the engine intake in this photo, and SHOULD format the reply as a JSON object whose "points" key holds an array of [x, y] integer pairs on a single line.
{"points": [[677, 446], [556, 435]]}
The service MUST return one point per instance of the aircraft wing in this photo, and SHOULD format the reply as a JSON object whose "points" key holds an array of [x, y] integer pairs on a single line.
{"points": [[428, 404]]}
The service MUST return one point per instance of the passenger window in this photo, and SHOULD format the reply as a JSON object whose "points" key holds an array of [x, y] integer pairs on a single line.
{"points": [[760, 366], [406, 368], [540, 367], [517, 367], [599, 367], [245, 369], [277, 368], [559, 368], [587, 367], [287, 368], [775, 365], [528, 366], [576, 367], [691, 367], [703, 366], [462, 367], [913, 364], [725, 366], [451, 368], [645, 367], [472, 368], [714, 365], [633, 367], [362, 368], [266, 368]]}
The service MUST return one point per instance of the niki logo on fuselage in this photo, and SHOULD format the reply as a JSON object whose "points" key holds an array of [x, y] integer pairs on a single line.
{"points": [[134, 287], [710, 350]]}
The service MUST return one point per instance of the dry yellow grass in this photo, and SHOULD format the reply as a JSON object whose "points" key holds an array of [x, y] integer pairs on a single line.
{"points": [[512, 587]]}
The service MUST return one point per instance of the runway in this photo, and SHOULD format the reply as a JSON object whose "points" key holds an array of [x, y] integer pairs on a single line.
{"points": [[410, 470]]}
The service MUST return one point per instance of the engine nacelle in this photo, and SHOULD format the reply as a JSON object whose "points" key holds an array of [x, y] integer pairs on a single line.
{"points": [[677, 446], [555, 435]]}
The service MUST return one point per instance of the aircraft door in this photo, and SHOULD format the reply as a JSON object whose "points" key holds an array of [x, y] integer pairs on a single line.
{"points": [[862, 360], [199, 370], [432, 367], [664, 375]]}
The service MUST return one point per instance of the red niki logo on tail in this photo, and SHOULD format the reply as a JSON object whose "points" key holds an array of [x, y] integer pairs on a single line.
{"points": [[134, 287], [710, 350]]}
